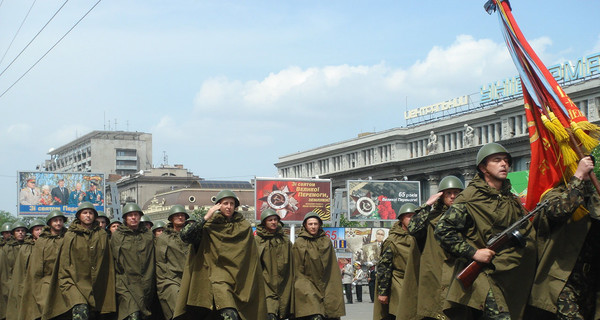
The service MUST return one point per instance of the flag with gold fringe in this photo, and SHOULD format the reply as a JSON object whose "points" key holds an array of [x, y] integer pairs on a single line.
{"points": [[559, 133]]}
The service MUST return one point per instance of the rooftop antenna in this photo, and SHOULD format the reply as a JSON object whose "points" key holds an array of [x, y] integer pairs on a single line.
{"points": [[104, 122], [165, 159], [108, 125], [115, 124]]}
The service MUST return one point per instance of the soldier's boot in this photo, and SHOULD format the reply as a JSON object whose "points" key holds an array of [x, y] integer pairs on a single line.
{"points": [[81, 312], [272, 316], [229, 314], [135, 316], [316, 317]]}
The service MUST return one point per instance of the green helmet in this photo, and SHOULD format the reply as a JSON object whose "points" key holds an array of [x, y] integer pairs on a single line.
{"points": [[312, 214], [450, 182], [159, 224], [6, 227], [407, 208], [113, 221], [226, 194], [54, 214], [145, 218], [490, 149], [132, 207], [86, 205], [18, 224], [177, 209], [36, 222], [267, 213]]}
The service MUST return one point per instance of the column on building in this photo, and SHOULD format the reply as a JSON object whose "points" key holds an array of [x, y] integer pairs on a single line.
{"points": [[468, 175], [434, 181]]}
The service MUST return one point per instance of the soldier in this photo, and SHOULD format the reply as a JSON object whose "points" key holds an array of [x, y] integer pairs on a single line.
{"points": [[275, 253], [36, 228], [158, 229], [432, 288], [146, 222], [6, 233], [102, 220], [41, 265], [481, 210], [133, 252], [113, 226], [17, 255], [567, 280], [399, 257], [317, 285], [225, 252], [84, 279], [171, 253]]}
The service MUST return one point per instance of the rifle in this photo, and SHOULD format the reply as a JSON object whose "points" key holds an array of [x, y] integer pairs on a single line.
{"points": [[468, 275]]}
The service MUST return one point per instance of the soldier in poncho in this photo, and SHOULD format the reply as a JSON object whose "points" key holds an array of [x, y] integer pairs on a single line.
{"points": [[132, 247], [318, 281], [171, 253], [275, 253], [433, 283], [223, 276], [83, 280], [17, 254], [41, 265], [397, 271]]}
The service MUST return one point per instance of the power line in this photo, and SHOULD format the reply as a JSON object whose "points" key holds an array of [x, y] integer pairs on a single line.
{"points": [[37, 34], [57, 42], [16, 33]]}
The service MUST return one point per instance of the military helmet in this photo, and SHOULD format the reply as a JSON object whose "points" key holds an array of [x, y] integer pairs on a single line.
{"points": [[226, 194], [36, 222], [113, 221], [86, 205], [312, 214], [159, 224], [145, 218], [177, 209], [132, 207], [450, 182], [54, 214], [6, 227], [267, 213], [18, 224], [490, 149], [406, 208]]}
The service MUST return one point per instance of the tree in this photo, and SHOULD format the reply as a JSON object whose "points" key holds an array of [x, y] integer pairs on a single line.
{"points": [[5, 216]]}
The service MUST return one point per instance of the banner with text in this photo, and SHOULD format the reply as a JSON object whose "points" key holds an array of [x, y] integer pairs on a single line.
{"points": [[293, 198], [380, 200]]}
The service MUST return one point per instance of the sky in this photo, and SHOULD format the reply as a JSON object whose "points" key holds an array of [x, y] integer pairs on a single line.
{"points": [[228, 87]]}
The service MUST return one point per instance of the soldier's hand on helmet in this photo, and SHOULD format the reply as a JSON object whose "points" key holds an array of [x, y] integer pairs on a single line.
{"points": [[383, 299], [586, 164], [484, 255], [212, 210], [434, 198]]}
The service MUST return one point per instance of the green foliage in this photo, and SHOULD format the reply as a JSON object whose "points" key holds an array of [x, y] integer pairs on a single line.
{"points": [[5, 216], [351, 224]]}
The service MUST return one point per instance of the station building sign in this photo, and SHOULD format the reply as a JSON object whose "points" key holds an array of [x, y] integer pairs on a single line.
{"points": [[448, 105], [292, 199], [42, 192], [380, 200]]}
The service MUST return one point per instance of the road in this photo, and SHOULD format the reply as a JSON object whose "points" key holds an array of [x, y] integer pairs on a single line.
{"points": [[359, 310]]}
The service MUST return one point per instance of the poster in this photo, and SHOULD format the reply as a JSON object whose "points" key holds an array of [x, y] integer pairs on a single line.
{"points": [[380, 200], [41, 192], [292, 199]]}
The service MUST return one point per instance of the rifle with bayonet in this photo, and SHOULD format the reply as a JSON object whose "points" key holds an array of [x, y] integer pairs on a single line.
{"points": [[511, 234]]}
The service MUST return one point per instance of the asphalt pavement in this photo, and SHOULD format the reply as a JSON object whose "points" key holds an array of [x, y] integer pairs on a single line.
{"points": [[359, 310]]}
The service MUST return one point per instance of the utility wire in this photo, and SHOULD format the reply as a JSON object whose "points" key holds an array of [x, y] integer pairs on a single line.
{"points": [[57, 42], [37, 34], [16, 33]]}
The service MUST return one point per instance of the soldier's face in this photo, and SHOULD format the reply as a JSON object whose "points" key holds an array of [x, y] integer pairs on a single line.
{"points": [[87, 217], [57, 223], [271, 223], [19, 234], [36, 231], [6, 235], [227, 207], [312, 226], [102, 222], [132, 220], [113, 227], [178, 220], [158, 232], [449, 196], [496, 167], [406, 219]]}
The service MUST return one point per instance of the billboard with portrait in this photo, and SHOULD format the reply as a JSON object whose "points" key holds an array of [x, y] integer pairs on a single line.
{"points": [[41, 192], [380, 200], [293, 198]]}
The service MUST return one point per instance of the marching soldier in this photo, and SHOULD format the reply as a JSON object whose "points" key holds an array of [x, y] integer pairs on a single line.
{"points": [[483, 209], [22, 249], [432, 288], [113, 226], [171, 253], [147, 222], [133, 252], [6, 232], [275, 253], [103, 220], [158, 229], [399, 257], [318, 284], [10, 253]]}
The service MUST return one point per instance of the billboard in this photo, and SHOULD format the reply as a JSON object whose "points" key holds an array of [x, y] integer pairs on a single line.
{"points": [[41, 192], [293, 198], [380, 200]]}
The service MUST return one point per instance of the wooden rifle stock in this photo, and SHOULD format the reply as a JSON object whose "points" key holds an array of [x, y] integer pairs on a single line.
{"points": [[468, 275]]}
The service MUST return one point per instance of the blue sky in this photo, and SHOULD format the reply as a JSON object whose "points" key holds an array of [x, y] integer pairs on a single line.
{"points": [[226, 87]]}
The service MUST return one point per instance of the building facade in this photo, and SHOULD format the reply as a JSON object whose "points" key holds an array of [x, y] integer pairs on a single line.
{"points": [[428, 151], [109, 152]]}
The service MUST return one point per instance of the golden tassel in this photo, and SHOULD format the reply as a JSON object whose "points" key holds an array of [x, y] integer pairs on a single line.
{"points": [[562, 138], [587, 142]]}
